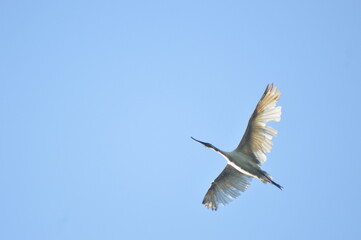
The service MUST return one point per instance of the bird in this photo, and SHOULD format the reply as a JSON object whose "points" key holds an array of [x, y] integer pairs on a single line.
{"points": [[244, 163]]}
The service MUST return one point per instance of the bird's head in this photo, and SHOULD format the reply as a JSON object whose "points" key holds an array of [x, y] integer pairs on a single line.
{"points": [[207, 145]]}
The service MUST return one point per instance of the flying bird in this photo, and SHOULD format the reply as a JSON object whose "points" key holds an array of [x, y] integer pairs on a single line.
{"points": [[244, 163]]}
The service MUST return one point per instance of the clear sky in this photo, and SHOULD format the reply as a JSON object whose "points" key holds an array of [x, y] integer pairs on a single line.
{"points": [[99, 99]]}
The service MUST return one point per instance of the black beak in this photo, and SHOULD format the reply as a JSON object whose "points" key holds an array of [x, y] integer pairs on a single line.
{"points": [[207, 145], [204, 143]]}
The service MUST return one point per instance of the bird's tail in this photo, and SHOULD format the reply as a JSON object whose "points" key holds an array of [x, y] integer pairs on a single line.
{"points": [[268, 178]]}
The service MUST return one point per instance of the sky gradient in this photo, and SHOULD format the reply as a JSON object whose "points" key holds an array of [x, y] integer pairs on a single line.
{"points": [[99, 100]]}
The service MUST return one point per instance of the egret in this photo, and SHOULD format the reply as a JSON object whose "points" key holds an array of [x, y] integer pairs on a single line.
{"points": [[244, 163]]}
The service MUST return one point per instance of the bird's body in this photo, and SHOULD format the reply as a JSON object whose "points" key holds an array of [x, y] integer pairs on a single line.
{"points": [[244, 163]]}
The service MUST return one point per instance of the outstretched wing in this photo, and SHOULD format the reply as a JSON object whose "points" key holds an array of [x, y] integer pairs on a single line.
{"points": [[257, 140], [226, 187]]}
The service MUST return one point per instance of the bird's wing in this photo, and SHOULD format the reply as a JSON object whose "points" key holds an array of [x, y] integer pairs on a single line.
{"points": [[226, 187], [257, 140]]}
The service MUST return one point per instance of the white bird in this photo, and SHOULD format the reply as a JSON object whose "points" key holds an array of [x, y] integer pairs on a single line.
{"points": [[245, 161]]}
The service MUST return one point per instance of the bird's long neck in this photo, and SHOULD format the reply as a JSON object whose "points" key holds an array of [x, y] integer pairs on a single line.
{"points": [[224, 154]]}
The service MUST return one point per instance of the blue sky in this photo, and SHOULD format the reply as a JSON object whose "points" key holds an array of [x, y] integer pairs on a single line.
{"points": [[99, 100]]}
